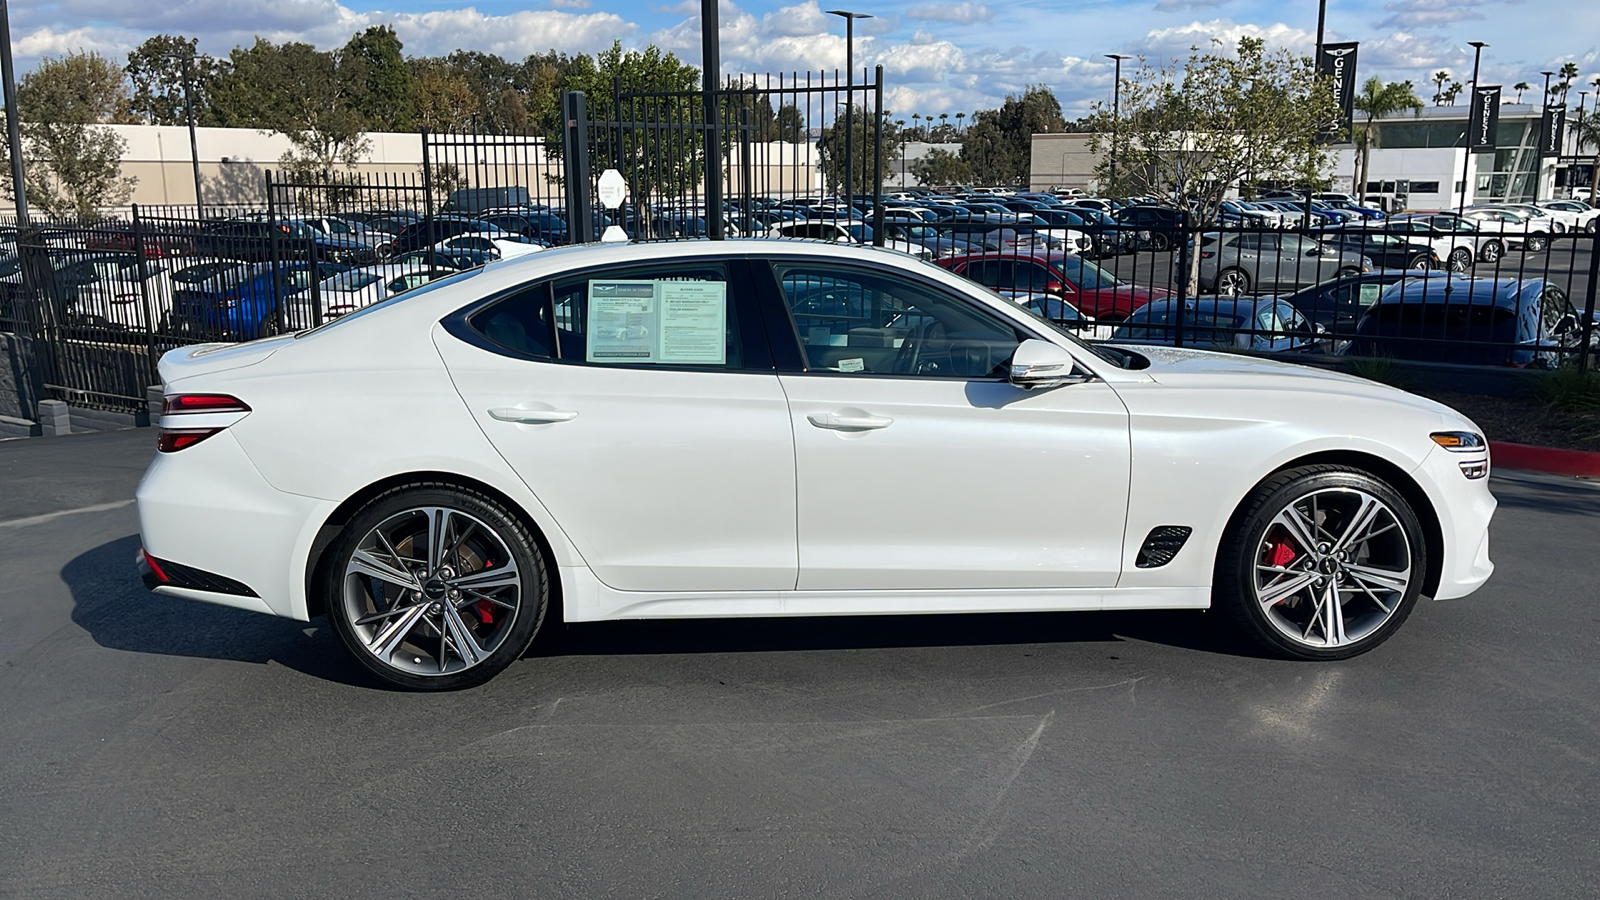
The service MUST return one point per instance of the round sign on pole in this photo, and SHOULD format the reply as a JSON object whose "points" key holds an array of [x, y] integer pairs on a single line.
{"points": [[613, 189]]}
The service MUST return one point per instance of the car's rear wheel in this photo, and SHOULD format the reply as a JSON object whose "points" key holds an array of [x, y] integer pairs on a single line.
{"points": [[1232, 283], [1593, 226], [1322, 562], [436, 588], [1491, 251], [1536, 243], [1159, 242], [1460, 259], [1421, 262]]}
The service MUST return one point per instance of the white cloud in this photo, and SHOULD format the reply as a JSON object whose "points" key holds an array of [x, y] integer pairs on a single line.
{"points": [[964, 13], [54, 43], [1175, 5], [1433, 13], [570, 4]]}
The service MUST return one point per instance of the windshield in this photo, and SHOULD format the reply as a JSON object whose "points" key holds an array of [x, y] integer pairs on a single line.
{"points": [[1086, 275]]}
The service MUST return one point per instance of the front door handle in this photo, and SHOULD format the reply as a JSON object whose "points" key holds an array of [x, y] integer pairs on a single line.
{"points": [[533, 416], [848, 422]]}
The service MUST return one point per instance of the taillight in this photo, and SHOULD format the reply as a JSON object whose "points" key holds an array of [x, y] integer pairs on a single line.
{"points": [[171, 440], [178, 404]]}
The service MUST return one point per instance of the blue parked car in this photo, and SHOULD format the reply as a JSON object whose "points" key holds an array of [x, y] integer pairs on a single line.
{"points": [[240, 303], [1475, 321], [1260, 325]]}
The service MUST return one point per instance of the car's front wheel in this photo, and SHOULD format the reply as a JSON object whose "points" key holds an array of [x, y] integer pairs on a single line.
{"points": [[1232, 283], [436, 587], [1491, 251], [1537, 243], [1460, 259], [1321, 562]]}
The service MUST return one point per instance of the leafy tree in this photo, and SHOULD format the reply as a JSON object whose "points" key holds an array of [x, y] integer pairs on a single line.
{"points": [[1439, 78], [790, 125], [1379, 101], [381, 84], [1519, 87], [73, 167], [155, 69], [658, 163], [831, 150], [1194, 133], [940, 167], [1569, 74], [497, 84], [445, 101], [998, 146], [1589, 136]]}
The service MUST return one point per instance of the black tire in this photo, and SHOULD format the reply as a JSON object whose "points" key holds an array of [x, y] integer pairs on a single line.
{"points": [[1159, 242], [1593, 227], [1536, 243], [1235, 279], [1460, 260], [1421, 262], [345, 593], [1491, 251], [1239, 560]]}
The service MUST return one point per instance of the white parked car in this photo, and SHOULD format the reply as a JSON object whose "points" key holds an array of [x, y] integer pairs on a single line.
{"points": [[347, 292], [707, 429], [501, 243], [1575, 214], [1521, 231], [844, 231]]}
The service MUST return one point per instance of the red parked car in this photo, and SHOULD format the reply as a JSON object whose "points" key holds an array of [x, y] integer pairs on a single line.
{"points": [[1093, 290]]}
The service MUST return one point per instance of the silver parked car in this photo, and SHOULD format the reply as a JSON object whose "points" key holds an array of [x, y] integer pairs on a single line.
{"points": [[1232, 264]]}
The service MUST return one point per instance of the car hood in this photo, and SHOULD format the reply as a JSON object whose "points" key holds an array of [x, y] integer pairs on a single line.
{"points": [[206, 359], [1207, 369]]}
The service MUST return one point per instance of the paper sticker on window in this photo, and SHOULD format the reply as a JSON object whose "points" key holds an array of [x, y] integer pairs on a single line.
{"points": [[682, 322], [1369, 294], [852, 365]]}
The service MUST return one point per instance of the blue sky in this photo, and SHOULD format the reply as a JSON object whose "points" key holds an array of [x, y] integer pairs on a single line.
{"points": [[938, 55]]}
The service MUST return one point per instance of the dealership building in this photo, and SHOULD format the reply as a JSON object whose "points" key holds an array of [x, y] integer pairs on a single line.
{"points": [[1418, 164]]}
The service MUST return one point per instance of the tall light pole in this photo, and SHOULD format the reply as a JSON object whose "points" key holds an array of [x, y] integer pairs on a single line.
{"points": [[849, 97], [1577, 146], [1116, 114], [1544, 117], [13, 122], [1316, 64], [710, 77], [1466, 143]]}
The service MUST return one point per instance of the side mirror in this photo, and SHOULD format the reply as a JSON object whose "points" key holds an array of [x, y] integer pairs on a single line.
{"points": [[1041, 364], [1314, 251]]}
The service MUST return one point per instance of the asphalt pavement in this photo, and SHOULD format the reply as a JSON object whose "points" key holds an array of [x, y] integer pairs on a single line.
{"points": [[152, 747]]}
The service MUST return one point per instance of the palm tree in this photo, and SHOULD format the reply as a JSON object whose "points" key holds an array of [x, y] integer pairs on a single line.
{"points": [[1452, 92], [959, 117], [916, 121], [1569, 74], [1379, 101], [1439, 78], [1519, 87], [944, 123]]}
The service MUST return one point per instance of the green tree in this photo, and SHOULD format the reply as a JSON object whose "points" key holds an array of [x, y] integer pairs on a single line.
{"points": [[1589, 136], [831, 150], [998, 146], [445, 100], [1520, 87], [790, 125], [73, 165], [1569, 74], [382, 90], [497, 84], [940, 167], [155, 69], [1194, 133], [659, 163], [1378, 100]]}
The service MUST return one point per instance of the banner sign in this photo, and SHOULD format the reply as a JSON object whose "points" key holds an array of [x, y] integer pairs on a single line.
{"points": [[1337, 63], [1483, 127], [1553, 131]]}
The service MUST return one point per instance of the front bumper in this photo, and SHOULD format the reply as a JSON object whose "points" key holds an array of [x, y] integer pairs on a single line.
{"points": [[1464, 508]]}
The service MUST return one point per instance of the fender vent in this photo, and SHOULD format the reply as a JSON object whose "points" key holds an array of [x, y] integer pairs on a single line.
{"points": [[1162, 545]]}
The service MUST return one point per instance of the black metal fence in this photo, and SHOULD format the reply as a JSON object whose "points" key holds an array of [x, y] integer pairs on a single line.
{"points": [[98, 304]]}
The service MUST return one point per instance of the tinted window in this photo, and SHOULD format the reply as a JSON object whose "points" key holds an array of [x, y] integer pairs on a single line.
{"points": [[852, 321]]}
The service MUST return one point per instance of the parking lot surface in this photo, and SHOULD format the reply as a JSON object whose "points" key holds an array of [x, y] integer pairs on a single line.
{"points": [[152, 747]]}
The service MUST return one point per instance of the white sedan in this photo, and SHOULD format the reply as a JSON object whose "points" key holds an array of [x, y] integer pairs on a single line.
{"points": [[355, 289], [502, 244], [722, 429]]}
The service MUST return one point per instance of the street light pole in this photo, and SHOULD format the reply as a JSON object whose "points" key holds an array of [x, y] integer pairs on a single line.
{"points": [[1116, 115], [1544, 116], [1466, 143], [1577, 147], [194, 144], [849, 98], [13, 122], [1316, 64]]}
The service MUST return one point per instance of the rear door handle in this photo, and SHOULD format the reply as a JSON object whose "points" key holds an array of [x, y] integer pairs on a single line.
{"points": [[843, 422], [533, 416]]}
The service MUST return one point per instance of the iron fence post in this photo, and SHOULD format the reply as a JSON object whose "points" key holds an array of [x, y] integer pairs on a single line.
{"points": [[274, 258], [575, 156], [427, 200], [1588, 303], [142, 259], [1181, 234]]}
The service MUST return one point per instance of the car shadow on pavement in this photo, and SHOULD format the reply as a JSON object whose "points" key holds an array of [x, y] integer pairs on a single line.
{"points": [[114, 607]]}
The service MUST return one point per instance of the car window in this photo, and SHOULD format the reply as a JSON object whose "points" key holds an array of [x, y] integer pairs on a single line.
{"points": [[853, 321], [673, 314], [1085, 274], [350, 281]]}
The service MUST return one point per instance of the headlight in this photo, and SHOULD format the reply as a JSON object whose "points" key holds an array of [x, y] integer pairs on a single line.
{"points": [[1459, 441]]}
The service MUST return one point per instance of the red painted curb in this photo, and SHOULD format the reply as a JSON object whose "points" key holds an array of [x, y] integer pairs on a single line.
{"points": [[1549, 460]]}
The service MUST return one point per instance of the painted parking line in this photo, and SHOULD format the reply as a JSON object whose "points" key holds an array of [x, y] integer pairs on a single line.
{"points": [[35, 520]]}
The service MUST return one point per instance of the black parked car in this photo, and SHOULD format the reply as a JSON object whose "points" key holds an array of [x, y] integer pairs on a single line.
{"points": [[424, 233], [1154, 227], [258, 240], [1392, 251], [1478, 321], [1337, 305]]}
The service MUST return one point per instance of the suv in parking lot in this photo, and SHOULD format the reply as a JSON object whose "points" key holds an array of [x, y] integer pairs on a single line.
{"points": [[1232, 264]]}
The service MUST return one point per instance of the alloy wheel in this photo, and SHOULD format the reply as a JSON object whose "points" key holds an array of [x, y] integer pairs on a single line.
{"points": [[1460, 259], [431, 591], [1333, 566], [1231, 283]]}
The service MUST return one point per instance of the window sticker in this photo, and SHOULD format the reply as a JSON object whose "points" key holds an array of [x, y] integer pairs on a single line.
{"points": [[1369, 295], [852, 365], [681, 322]]}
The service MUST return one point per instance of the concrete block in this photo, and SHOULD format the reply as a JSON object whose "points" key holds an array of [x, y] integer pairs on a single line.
{"points": [[55, 418]]}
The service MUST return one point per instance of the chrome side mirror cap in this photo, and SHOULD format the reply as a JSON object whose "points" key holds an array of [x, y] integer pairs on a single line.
{"points": [[1041, 364]]}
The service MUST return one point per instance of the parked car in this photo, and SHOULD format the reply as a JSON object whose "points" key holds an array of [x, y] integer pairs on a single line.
{"points": [[1156, 227], [498, 243], [1575, 214], [1085, 285], [536, 225], [492, 443], [1336, 305], [1350, 204], [258, 240], [346, 292], [242, 305], [425, 233], [843, 231], [1260, 325], [1515, 230], [157, 242], [1383, 248], [473, 201], [1232, 264], [1458, 249], [1478, 321]]}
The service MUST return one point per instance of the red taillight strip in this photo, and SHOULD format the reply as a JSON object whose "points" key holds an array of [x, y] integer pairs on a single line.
{"points": [[171, 440], [178, 404]]}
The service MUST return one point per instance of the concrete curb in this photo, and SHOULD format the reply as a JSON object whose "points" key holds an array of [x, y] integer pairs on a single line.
{"points": [[1549, 460]]}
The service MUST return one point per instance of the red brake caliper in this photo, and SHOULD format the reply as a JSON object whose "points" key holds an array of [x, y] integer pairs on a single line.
{"points": [[1282, 555], [485, 608]]}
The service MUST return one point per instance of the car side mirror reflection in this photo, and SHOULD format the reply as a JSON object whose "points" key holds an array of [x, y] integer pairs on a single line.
{"points": [[1041, 364]]}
